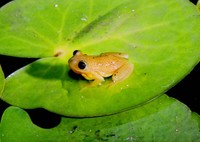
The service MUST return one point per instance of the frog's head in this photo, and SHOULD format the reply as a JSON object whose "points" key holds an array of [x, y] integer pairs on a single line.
{"points": [[77, 62]]}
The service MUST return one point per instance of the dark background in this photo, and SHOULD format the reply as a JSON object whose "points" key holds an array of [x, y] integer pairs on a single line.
{"points": [[187, 91]]}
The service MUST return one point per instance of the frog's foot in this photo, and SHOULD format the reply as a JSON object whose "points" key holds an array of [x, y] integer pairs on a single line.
{"points": [[96, 83], [123, 72], [93, 83]]}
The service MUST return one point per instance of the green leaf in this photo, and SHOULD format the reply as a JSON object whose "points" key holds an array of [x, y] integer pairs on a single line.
{"points": [[164, 119], [39, 85], [161, 43], [2, 80], [48, 27]]}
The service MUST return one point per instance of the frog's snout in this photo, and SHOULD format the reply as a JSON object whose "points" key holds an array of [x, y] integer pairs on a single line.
{"points": [[71, 62]]}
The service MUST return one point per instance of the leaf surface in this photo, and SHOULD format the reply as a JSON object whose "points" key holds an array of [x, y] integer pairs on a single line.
{"points": [[161, 43], [164, 119]]}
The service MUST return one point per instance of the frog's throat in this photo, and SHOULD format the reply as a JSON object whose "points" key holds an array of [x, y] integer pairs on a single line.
{"points": [[88, 77]]}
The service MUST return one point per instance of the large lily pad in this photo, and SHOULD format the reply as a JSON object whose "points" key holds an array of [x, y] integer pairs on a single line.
{"points": [[164, 119], [48, 27], [161, 43]]}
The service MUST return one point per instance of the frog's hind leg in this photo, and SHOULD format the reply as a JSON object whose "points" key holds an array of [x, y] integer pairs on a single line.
{"points": [[123, 72]]}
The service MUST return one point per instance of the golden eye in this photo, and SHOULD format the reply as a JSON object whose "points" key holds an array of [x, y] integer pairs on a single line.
{"points": [[81, 65]]}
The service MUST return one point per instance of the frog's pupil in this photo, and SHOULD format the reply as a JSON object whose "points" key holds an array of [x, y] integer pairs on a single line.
{"points": [[75, 51], [81, 65]]}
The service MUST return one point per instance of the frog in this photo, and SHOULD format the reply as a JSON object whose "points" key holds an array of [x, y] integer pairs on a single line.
{"points": [[98, 67]]}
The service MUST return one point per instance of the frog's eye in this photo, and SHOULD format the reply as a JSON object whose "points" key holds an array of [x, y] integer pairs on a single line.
{"points": [[75, 51], [81, 65]]}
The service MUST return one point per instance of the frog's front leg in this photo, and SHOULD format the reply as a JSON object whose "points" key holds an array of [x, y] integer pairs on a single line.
{"points": [[123, 72], [97, 79], [96, 82]]}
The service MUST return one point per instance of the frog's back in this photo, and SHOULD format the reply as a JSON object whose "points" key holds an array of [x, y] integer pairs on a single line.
{"points": [[107, 64], [118, 54]]}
